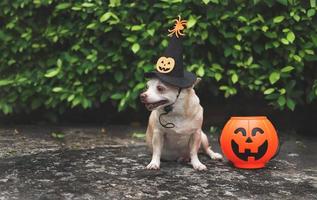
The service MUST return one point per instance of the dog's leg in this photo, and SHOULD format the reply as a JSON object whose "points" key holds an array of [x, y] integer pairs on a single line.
{"points": [[157, 145], [195, 143], [207, 149]]}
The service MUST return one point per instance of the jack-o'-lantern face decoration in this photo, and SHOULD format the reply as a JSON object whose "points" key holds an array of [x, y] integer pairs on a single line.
{"points": [[245, 145], [165, 64], [249, 142]]}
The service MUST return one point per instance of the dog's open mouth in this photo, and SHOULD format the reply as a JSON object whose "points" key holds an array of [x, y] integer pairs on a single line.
{"points": [[152, 106]]}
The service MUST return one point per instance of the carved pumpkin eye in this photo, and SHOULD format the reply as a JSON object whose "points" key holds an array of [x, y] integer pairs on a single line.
{"points": [[242, 130], [256, 130]]}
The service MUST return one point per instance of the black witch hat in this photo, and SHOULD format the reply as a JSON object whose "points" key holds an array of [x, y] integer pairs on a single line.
{"points": [[169, 67]]}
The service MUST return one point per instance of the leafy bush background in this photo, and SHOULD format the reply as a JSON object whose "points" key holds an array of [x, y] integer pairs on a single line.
{"points": [[59, 54]]}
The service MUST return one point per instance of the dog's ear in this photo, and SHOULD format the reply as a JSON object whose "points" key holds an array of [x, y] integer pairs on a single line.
{"points": [[196, 82]]}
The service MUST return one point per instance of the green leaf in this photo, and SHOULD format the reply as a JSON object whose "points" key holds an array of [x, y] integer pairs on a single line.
{"points": [[284, 2], [201, 71], [105, 17], [218, 76], [290, 36], [234, 78], [63, 6], [5, 82], [87, 5], [281, 101], [297, 58], [57, 89], [138, 87], [115, 3], [117, 96], [138, 135], [282, 91], [132, 38], [269, 91], [311, 12], [70, 98], [91, 26], [151, 31], [256, 2], [58, 135], [206, 1], [313, 3], [314, 38], [237, 47], [309, 51], [265, 28], [287, 69], [239, 37], [6, 109], [59, 63], [52, 72], [296, 17], [278, 19], [274, 77], [135, 47], [191, 21], [137, 27], [290, 104], [284, 41], [118, 76]]}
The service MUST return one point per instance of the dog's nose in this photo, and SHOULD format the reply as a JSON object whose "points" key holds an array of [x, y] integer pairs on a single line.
{"points": [[143, 97]]}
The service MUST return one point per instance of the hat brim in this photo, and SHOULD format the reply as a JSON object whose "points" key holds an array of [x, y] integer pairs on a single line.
{"points": [[182, 82]]}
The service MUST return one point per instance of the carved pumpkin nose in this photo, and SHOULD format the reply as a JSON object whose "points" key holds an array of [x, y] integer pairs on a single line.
{"points": [[249, 140]]}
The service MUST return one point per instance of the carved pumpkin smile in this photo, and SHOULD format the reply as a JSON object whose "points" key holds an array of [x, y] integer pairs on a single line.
{"points": [[247, 153]]}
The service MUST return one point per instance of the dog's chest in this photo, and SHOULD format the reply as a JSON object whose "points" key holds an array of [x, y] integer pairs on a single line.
{"points": [[177, 139]]}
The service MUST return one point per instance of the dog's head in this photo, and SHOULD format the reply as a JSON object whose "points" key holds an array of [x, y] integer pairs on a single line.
{"points": [[159, 94]]}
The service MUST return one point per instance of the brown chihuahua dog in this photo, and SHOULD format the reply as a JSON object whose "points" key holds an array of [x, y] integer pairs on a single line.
{"points": [[182, 139]]}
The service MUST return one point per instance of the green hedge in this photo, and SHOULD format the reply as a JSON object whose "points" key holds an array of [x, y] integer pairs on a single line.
{"points": [[58, 54]]}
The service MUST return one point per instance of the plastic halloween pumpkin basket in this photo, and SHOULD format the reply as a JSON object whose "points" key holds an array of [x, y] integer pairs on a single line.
{"points": [[249, 142]]}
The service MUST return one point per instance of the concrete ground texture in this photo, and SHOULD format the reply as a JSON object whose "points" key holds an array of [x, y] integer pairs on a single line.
{"points": [[77, 162]]}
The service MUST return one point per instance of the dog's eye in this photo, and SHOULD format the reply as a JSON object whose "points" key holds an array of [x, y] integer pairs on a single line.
{"points": [[160, 88]]}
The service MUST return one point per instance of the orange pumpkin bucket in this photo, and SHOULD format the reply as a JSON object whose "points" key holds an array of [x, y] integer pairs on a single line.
{"points": [[249, 142]]}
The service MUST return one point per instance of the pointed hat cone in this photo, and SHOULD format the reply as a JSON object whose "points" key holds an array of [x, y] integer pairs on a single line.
{"points": [[169, 67]]}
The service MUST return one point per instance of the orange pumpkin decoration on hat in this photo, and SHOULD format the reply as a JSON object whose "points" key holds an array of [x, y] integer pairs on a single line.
{"points": [[249, 142]]}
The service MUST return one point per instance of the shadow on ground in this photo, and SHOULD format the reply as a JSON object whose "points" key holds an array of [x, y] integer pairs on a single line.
{"points": [[111, 166]]}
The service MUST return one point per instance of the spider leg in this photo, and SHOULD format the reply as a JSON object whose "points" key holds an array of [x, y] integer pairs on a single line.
{"points": [[180, 33], [171, 33], [170, 30], [176, 33], [179, 18]]}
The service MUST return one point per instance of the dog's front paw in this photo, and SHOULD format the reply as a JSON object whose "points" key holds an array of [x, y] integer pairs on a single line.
{"points": [[216, 156], [153, 165], [199, 166]]}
